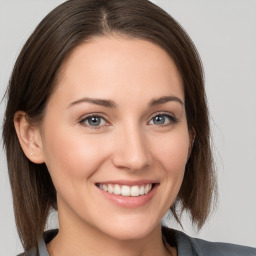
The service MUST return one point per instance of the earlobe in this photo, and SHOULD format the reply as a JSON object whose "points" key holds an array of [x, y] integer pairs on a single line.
{"points": [[29, 137]]}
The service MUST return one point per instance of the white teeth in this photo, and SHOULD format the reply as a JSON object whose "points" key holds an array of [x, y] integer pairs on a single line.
{"points": [[142, 190], [110, 189], [117, 190], [135, 191], [148, 188], [125, 190]]}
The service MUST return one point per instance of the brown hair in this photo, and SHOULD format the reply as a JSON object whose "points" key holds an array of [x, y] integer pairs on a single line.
{"points": [[34, 77]]}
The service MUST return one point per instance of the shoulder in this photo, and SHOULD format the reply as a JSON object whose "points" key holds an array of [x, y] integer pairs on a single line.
{"points": [[189, 246], [31, 252], [203, 247], [41, 249]]}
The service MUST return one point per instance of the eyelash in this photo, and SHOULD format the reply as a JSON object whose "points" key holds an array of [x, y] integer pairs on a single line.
{"points": [[85, 119], [172, 120]]}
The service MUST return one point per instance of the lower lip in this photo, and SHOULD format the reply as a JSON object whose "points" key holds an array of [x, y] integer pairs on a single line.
{"points": [[130, 201]]}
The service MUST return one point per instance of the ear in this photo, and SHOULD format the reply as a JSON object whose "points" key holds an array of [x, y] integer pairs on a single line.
{"points": [[29, 137], [192, 136]]}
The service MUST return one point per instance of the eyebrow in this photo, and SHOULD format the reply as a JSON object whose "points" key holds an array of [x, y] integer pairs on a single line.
{"points": [[165, 99], [112, 104], [100, 102]]}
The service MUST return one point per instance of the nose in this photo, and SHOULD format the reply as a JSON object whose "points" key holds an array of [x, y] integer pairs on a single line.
{"points": [[131, 152]]}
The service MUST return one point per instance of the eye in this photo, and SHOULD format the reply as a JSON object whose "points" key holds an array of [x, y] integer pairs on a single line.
{"points": [[94, 121], [163, 119]]}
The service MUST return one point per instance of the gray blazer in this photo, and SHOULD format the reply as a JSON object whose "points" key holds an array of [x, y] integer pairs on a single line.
{"points": [[186, 246]]}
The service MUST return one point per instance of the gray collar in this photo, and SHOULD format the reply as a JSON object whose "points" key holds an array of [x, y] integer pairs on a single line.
{"points": [[181, 240]]}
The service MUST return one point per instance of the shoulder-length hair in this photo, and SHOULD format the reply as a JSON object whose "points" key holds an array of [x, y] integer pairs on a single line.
{"points": [[34, 77]]}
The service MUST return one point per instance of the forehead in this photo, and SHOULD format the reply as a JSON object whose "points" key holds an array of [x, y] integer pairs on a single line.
{"points": [[105, 66]]}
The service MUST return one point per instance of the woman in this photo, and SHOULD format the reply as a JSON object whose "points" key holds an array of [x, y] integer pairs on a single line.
{"points": [[107, 122]]}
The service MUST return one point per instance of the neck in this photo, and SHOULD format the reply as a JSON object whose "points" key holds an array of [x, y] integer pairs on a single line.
{"points": [[88, 244], [90, 241], [78, 238]]}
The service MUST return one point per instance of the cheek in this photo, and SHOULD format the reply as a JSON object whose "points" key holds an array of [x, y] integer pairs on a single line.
{"points": [[173, 152], [70, 156], [170, 159]]}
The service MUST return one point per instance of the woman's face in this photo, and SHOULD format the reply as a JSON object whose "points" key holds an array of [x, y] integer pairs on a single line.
{"points": [[115, 137]]}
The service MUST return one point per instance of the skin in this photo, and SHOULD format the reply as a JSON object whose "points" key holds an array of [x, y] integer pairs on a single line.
{"points": [[128, 145]]}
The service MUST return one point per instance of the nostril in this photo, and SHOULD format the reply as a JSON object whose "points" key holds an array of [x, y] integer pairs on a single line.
{"points": [[131, 150]]}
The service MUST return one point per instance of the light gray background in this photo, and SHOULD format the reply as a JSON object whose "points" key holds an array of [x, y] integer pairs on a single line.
{"points": [[224, 32]]}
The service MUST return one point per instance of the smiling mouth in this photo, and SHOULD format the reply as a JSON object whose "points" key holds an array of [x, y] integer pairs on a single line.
{"points": [[125, 190]]}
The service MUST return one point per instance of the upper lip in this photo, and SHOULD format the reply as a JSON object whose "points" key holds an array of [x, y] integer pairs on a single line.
{"points": [[128, 182]]}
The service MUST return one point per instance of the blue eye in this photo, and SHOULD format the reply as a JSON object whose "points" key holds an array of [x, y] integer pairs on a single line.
{"points": [[94, 121], [163, 119]]}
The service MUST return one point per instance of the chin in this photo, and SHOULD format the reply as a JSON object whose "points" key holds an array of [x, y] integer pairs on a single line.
{"points": [[131, 230]]}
